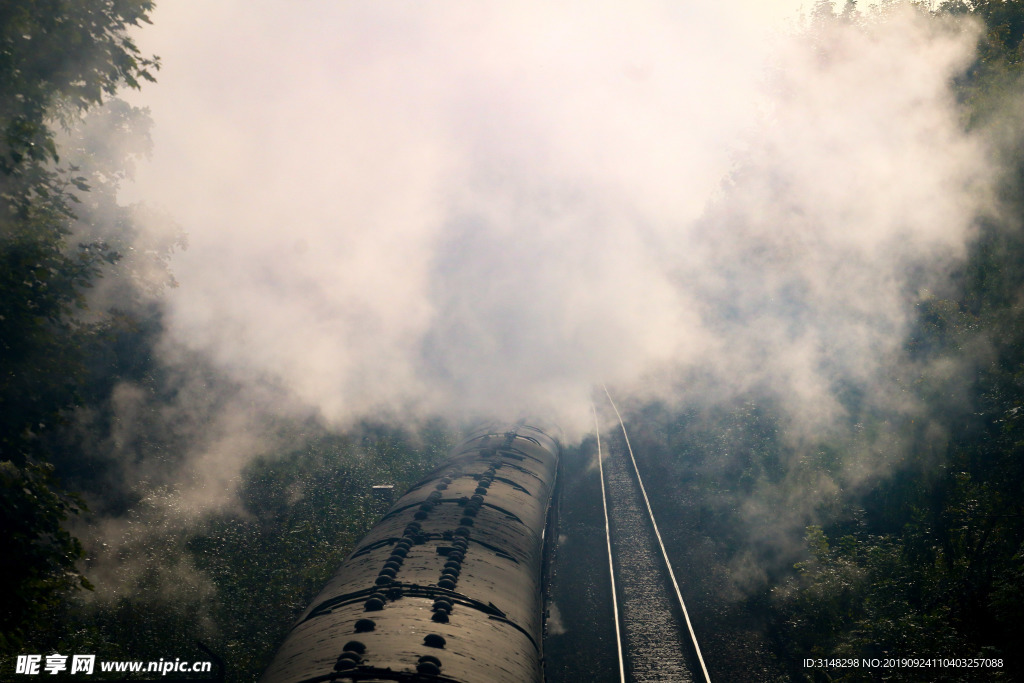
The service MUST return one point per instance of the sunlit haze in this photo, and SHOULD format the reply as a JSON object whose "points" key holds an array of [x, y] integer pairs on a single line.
{"points": [[471, 209]]}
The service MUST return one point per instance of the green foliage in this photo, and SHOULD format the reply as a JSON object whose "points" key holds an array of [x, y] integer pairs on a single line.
{"points": [[928, 561], [237, 579], [912, 522], [304, 513], [38, 562], [58, 58], [935, 566], [877, 597]]}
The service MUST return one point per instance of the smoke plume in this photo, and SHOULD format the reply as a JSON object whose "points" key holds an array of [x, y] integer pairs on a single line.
{"points": [[409, 209]]}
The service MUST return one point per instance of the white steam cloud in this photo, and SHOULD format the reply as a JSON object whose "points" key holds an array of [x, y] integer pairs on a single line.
{"points": [[457, 207]]}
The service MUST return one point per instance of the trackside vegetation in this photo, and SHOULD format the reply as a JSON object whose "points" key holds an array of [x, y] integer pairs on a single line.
{"points": [[924, 560]]}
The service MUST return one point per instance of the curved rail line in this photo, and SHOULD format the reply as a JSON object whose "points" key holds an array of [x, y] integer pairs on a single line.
{"points": [[657, 534]]}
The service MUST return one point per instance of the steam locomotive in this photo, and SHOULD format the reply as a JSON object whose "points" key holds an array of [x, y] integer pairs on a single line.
{"points": [[448, 585]]}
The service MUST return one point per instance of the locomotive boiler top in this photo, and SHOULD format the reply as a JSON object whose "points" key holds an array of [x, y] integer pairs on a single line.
{"points": [[447, 586]]}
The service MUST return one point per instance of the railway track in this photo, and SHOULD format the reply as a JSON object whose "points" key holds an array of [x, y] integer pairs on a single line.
{"points": [[654, 636]]}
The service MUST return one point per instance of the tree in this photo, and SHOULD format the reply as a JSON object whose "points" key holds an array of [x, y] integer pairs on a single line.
{"points": [[58, 59]]}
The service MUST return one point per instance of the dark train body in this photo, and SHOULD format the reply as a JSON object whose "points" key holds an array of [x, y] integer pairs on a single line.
{"points": [[447, 586]]}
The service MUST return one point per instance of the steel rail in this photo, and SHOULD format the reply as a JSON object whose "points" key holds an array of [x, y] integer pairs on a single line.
{"points": [[608, 539], [657, 533]]}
